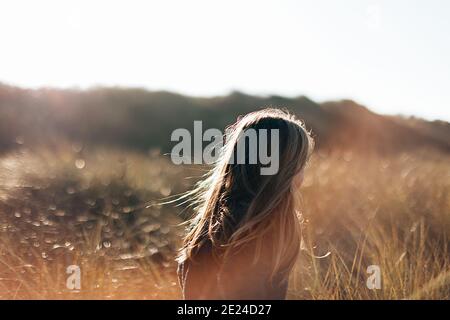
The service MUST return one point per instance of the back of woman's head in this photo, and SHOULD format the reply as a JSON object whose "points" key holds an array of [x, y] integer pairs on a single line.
{"points": [[249, 196]]}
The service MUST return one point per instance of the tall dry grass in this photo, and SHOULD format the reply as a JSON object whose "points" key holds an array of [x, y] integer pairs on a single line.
{"points": [[98, 210], [70, 206], [362, 210]]}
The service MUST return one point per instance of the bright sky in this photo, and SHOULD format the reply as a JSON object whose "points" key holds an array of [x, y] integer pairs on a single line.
{"points": [[391, 55]]}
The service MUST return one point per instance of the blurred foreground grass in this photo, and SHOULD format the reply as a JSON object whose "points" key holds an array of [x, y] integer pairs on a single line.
{"points": [[71, 206]]}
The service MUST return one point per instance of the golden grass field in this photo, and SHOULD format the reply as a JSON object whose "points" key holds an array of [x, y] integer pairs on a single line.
{"points": [[71, 206]]}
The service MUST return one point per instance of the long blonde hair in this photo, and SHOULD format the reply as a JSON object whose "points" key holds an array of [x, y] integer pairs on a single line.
{"points": [[236, 205]]}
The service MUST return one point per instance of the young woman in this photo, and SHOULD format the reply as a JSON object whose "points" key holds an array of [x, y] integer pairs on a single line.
{"points": [[245, 236]]}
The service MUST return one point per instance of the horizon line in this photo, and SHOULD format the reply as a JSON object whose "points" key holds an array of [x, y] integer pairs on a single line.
{"points": [[230, 92]]}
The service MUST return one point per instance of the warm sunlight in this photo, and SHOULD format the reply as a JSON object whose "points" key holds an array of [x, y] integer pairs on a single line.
{"points": [[221, 153], [390, 56]]}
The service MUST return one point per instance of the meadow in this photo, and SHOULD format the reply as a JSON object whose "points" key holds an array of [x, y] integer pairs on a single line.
{"points": [[100, 208]]}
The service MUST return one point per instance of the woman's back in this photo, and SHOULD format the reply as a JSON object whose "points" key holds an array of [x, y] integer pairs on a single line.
{"points": [[206, 277]]}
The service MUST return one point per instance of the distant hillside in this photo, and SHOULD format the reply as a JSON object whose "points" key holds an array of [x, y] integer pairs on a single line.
{"points": [[142, 119], [437, 130]]}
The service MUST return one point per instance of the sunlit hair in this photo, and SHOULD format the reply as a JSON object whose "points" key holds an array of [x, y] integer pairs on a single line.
{"points": [[236, 205]]}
